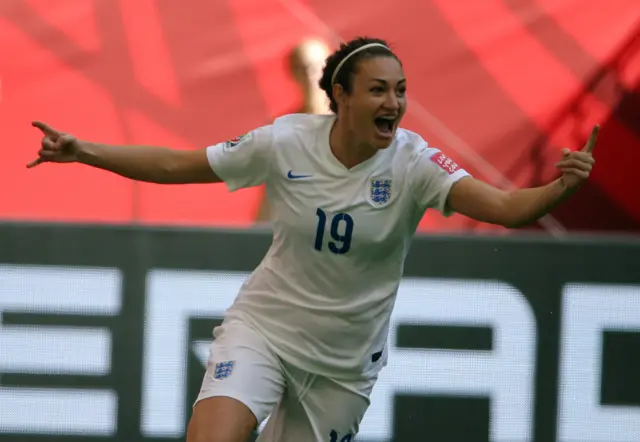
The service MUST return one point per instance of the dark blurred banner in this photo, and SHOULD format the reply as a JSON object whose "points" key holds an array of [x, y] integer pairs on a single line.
{"points": [[501, 85], [104, 332]]}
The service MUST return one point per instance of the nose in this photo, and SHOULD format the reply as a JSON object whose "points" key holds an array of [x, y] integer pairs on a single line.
{"points": [[391, 101]]}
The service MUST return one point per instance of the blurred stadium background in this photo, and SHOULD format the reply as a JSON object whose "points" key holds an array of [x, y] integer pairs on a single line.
{"points": [[109, 288]]}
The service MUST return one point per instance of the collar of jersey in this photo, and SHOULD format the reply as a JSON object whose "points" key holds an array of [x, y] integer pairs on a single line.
{"points": [[323, 142]]}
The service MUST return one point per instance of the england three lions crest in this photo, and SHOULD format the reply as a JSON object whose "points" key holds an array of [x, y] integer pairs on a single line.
{"points": [[223, 369], [380, 192]]}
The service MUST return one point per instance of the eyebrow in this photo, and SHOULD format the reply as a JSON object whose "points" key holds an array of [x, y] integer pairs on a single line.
{"points": [[380, 80]]}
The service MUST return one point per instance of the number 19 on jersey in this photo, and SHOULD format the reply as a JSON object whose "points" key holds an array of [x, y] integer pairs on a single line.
{"points": [[339, 222]]}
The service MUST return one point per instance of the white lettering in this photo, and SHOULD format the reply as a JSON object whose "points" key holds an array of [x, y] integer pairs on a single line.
{"points": [[56, 411], [57, 350], [588, 310], [505, 374], [172, 298]]}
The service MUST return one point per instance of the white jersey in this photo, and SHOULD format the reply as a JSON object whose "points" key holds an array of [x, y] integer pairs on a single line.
{"points": [[323, 294]]}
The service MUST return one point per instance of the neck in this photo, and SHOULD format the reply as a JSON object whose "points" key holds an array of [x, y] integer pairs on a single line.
{"points": [[346, 147], [315, 104]]}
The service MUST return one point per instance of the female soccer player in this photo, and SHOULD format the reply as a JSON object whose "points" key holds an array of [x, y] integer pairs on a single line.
{"points": [[305, 337]]}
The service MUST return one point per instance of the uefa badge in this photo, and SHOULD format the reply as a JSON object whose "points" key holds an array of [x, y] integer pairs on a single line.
{"points": [[380, 193], [223, 370]]}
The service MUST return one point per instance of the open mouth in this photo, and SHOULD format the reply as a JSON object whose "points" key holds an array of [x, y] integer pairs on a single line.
{"points": [[385, 125]]}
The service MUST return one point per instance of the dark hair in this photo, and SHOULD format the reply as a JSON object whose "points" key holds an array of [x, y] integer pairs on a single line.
{"points": [[345, 74]]}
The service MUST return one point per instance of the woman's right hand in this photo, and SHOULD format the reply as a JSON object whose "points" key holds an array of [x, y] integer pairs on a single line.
{"points": [[55, 147]]}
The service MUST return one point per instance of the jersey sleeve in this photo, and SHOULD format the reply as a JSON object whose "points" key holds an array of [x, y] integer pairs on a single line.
{"points": [[431, 175], [243, 161]]}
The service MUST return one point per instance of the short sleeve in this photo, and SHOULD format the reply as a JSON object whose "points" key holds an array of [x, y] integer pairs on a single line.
{"points": [[431, 175], [243, 161]]}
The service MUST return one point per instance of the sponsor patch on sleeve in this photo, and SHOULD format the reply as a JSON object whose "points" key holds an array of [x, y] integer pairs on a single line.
{"points": [[445, 163], [238, 140]]}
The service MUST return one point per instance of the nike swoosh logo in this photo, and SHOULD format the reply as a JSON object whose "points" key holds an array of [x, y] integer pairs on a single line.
{"points": [[291, 176]]}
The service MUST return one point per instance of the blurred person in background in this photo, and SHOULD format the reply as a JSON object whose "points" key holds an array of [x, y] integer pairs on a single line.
{"points": [[306, 336], [305, 63]]}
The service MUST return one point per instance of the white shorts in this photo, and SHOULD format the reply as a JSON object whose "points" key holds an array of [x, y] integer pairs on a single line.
{"points": [[300, 406]]}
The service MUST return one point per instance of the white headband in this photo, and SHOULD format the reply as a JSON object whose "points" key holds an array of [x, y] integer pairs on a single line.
{"points": [[344, 60]]}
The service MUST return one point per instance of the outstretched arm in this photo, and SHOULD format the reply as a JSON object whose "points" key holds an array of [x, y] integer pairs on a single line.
{"points": [[147, 163], [140, 163], [485, 203]]}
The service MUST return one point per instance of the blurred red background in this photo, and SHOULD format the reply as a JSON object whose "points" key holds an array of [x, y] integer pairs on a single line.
{"points": [[500, 85]]}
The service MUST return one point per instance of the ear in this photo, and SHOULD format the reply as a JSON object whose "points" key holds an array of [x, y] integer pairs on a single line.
{"points": [[340, 95]]}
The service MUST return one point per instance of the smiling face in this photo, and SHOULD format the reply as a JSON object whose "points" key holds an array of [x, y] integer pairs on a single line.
{"points": [[377, 101]]}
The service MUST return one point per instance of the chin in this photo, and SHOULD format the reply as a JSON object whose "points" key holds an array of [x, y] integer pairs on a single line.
{"points": [[381, 143]]}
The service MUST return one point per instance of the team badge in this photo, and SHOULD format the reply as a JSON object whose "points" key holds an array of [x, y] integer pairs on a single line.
{"points": [[237, 140], [380, 191], [223, 369]]}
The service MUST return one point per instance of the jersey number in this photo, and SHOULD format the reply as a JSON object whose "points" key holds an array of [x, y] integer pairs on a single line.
{"points": [[341, 241], [333, 437]]}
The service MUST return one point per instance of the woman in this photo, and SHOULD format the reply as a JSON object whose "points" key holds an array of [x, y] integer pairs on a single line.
{"points": [[305, 337]]}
